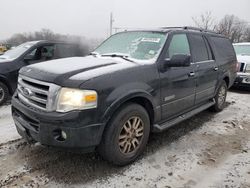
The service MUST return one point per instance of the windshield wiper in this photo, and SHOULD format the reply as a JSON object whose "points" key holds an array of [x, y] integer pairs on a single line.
{"points": [[94, 53], [123, 56]]}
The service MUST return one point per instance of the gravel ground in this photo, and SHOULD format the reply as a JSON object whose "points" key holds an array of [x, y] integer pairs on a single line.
{"points": [[208, 150]]}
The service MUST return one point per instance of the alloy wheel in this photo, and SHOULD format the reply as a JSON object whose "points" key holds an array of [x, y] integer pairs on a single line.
{"points": [[131, 135]]}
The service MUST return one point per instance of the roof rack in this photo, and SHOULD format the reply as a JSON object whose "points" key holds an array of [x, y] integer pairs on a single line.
{"points": [[191, 28], [198, 29]]}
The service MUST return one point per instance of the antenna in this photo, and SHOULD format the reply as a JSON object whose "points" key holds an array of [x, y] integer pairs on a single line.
{"points": [[111, 23]]}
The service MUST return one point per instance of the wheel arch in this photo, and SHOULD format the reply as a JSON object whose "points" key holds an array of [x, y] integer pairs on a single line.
{"points": [[142, 98], [4, 81], [227, 80]]}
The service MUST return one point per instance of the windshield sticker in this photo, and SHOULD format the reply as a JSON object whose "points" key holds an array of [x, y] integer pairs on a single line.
{"points": [[152, 52], [27, 46], [156, 40]]}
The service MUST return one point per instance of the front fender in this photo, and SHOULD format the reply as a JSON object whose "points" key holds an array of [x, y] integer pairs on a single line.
{"points": [[125, 93]]}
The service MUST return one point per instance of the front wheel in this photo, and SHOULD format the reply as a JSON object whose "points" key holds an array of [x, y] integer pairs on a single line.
{"points": [[126, 135], [220, 98], [4, 93]]}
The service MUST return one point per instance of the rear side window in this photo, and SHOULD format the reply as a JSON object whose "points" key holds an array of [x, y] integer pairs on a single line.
{"points": [[223, 48], [64, 50], [199, 48], [178, 45]]}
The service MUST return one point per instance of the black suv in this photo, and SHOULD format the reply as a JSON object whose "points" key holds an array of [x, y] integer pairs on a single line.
{"points": [[134, 83], [26, 54]]}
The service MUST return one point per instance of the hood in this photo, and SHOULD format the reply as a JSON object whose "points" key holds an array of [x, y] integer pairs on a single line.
{"points": [[243, 59], [74, 71], [4, 59]]}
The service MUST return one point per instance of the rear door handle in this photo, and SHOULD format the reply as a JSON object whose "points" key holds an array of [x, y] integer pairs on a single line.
{"points": [[216, 68], [191, 74]]}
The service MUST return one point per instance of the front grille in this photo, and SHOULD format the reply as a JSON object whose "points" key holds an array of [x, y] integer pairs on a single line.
{"points": [[242, 67], [248, 68], [38, 94]]}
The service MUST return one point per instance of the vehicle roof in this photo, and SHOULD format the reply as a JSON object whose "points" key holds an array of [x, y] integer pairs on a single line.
{"points": [[242, 43], [185, 28], [47, 41]]}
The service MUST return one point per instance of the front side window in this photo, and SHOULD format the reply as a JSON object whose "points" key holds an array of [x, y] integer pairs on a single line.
{"points": [[178, 45], [42, 53], [135, 45], [242, 49]]}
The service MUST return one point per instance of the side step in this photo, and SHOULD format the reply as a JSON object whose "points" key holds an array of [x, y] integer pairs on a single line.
{"points": [[170, 123]]}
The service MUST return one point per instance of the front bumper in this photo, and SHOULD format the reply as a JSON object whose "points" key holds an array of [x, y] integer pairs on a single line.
{"points": [[46, 128], [242, 79]]}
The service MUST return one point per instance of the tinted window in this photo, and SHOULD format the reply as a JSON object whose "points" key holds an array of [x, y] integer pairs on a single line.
{"points": [[64, 50], [199, 48], [41, 53], [223, 47], [178, 45]]}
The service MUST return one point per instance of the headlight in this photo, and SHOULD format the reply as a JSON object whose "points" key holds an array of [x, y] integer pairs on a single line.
{"points": [[75, 99]]}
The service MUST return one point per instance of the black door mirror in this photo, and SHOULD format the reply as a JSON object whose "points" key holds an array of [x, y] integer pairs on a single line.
{"points": [[178, 60], [28, 58]]}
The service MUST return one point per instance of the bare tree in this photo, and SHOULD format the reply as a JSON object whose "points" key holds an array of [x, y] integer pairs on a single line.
{"points": [[247, 35], [232, 27], [84, 46], [205, 21]]}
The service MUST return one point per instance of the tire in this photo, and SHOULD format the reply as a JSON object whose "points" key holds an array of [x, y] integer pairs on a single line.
{"points": [[121, 144], [4, 93], [220, 98]]}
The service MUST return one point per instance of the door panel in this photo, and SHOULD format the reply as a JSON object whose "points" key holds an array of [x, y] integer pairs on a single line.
{"points": [[177, 91], [206, 80], [206, 68], [177, 83]]}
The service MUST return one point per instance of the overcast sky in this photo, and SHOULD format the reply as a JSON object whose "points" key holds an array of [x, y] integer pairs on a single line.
{"points": [[90, 18]]}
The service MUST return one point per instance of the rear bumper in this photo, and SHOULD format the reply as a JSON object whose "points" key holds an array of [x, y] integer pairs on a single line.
{"points": [[47, 128]]}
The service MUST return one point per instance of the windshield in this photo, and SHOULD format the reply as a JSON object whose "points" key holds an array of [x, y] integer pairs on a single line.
{"points": [[18, 51], [136, 45], [242, 49]]}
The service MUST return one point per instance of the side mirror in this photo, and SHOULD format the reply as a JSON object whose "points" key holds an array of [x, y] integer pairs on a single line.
{"points": [[28, 58], [178, 60]]}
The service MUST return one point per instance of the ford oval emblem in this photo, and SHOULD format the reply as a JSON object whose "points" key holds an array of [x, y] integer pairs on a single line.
{"points": [[27, 92]]}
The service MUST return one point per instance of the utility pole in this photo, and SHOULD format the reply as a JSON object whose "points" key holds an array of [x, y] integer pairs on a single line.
{"points": [[111, 23]]}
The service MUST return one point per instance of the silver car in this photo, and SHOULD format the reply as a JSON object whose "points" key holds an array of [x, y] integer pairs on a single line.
{"points": [[243, 55]]}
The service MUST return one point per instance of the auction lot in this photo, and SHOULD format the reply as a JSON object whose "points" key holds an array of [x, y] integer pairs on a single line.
{"points": [[208, 150]]}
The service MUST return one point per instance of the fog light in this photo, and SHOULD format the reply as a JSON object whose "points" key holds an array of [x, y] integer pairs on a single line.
{"points": [[59, 135], [64, 135]]}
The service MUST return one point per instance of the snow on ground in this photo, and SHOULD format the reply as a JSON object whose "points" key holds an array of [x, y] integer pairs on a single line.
{"points": [[208, 150], [8, 131]]}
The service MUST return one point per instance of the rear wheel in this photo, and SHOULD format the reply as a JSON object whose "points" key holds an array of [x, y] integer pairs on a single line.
{"points": [[220, 98], [4, 93], [126, 136]]}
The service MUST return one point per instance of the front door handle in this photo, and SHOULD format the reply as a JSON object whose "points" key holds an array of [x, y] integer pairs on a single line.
{"points": [[191, 74], [216, 68]]}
